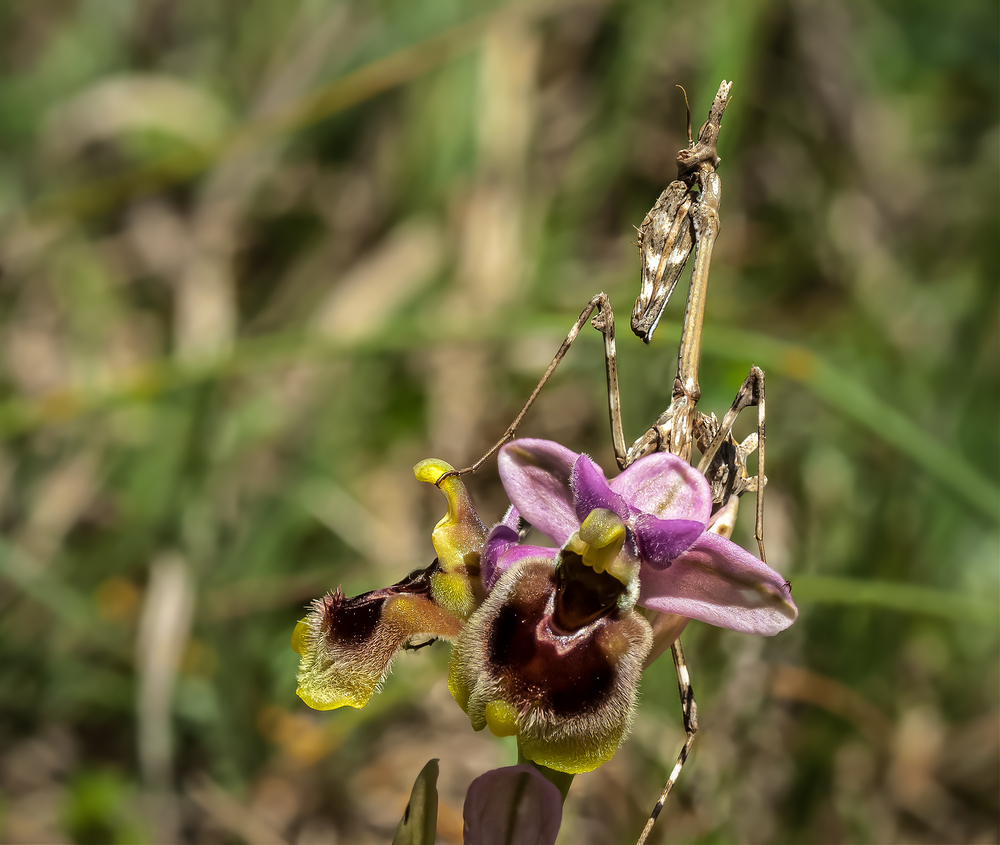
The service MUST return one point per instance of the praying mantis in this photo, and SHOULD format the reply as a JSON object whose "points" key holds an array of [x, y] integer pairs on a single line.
{"points": [[684, 220]]}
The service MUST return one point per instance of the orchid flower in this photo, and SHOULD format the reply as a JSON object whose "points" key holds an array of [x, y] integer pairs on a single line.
{"points": [[555, 653], [347, 645], [550, 642]]}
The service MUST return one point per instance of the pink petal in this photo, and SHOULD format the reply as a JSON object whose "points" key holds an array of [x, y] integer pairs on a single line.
{"points": [[514, 554], [665, 486], [536, 476], [502, 538], [662, 540], [511, 518], [718, 582], [513, 804], [591, 491]]}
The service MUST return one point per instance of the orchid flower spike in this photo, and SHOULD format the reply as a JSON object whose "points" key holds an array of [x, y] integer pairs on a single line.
{"points": [[550, 643]]}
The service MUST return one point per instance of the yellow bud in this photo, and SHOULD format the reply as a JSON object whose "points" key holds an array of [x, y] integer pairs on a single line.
{"points": [[501, 718], [299, 636]]}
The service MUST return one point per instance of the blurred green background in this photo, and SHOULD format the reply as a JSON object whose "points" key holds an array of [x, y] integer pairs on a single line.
{"points": [[259, 258]]}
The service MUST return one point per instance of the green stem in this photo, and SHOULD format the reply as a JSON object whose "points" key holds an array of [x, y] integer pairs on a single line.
{"points": [[562, 780]]}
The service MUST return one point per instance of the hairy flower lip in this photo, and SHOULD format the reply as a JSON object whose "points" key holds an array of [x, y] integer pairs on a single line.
{"points": [[347, 645], [568, 694]]}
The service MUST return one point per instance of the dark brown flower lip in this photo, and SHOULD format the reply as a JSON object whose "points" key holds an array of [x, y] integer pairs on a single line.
{"points": [[569, 695], [544, 663], [351, 622]]}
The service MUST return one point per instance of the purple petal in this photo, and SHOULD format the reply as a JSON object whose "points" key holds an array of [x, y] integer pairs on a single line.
{"points": [[591, 491], [503, 536], [536, 476], [513, 554], [718, 582], [662, 540], [513, 804], [665, 486], [501, 539], [511, 518]]}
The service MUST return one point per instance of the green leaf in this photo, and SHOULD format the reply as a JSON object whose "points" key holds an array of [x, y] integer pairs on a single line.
{"points": [[419, 823]]}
